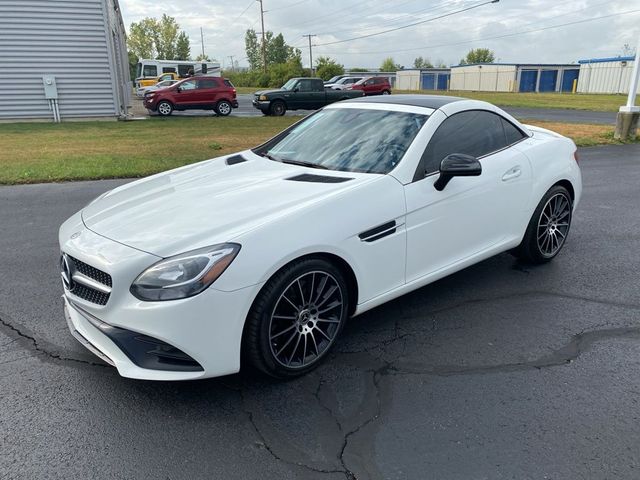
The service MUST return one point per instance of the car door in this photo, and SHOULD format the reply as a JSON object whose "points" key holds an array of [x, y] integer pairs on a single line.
{"points": [[208, 91], [310, 94], [186, 94], [472, 214]]}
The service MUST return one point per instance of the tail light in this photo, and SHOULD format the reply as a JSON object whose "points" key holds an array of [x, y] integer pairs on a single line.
{"points": [[234, 93], [576, 157]]}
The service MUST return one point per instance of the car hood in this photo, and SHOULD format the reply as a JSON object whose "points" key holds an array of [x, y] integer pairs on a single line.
{"points": [[273, 90], [210, 202]]}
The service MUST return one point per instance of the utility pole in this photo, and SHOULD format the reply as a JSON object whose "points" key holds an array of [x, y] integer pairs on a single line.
{"points": [[310, 53], [202, 40], [233, 68], [629, 115], [264, 44]]}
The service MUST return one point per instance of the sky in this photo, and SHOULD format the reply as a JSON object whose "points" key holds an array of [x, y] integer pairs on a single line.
{"points": [[524, 31]]}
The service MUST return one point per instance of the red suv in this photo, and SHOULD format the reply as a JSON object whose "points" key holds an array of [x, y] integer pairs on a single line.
{"points": [[373, 86], [202, 93]]}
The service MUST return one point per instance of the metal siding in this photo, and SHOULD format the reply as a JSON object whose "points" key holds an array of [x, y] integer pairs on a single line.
{"points": [[428, 81], [65, 38], [605, 77], [443, 80]]}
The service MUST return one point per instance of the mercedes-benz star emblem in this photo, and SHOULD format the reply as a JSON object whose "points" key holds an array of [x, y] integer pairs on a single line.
{"points": [[66, 273]]}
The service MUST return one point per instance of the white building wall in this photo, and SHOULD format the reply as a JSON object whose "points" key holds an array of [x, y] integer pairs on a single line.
{"points": [[605, 77], [408, 80], [486, 78]]}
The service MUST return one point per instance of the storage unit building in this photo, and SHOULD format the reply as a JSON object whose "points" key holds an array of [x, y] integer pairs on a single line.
{"points": [[424, 79], [62, 60], [606, 75], [498, 77]]}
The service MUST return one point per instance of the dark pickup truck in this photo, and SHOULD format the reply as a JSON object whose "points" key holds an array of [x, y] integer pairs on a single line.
{"points": [[299, 94]]}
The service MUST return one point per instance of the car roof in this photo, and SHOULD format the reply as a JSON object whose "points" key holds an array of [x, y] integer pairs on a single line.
{"points": [[426, 101]]}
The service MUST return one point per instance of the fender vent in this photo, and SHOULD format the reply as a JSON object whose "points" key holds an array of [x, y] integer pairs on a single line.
{"points": [[308, 177], [235, 159], [376, 233]]}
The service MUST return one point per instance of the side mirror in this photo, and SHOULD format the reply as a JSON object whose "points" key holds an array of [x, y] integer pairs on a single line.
{"points": [[457, 165], [296, 89], [178, 89]]}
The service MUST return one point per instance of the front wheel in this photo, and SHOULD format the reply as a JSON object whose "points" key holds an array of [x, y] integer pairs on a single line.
{"points": [[277, 108], [296, 318], [223, 108], [165, 108], [548, 228]]}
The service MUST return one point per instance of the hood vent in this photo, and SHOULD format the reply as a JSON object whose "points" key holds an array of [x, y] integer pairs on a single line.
{"points": [[235, 159], [308, 177]]}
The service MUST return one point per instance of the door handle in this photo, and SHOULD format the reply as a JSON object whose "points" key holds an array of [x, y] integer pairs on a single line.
{"points": [[514, 172]]}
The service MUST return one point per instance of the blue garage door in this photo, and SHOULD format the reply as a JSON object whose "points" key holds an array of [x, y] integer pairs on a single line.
{"points": [[548, 80], [567, 79], [528, 79], [428, 81], [443, 81]]}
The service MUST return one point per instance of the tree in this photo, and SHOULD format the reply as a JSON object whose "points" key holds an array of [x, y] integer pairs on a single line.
{"points": [[252, 48], [133, 64], [161, 39], [420, 62], [327, 67], [203, 58], [388, 65], [166, 38], [478, 55], [141, 38], [358, 69], [628, 51], [277, 50], [183, 47]]}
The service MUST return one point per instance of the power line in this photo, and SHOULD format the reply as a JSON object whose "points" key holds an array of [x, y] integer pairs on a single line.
{"points": [[409, 25], [496, 36], [330, 14], [287, 6]]}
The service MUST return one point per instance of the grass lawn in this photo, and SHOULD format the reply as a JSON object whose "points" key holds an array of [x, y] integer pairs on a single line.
{"points": [[577, 101], [39, 152]]}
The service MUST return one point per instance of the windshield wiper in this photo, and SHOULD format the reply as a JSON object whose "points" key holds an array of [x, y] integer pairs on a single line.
{"points": [[270, 157], [303, 163]]}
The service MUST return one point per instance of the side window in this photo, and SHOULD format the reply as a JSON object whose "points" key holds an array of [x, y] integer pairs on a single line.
{"points": [[168, 70], [304, 86], [188, 85], [183, 70], [512, 134], [207, 83], [150, 71], [475, 133]]}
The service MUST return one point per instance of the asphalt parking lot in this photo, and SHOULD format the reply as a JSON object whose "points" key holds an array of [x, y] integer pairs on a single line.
{"points": [[499, 371], [246, 109]]}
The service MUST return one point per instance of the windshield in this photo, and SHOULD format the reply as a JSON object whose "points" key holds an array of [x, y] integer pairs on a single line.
{"points": [[334, 79], [348, 139], [289, 85]]}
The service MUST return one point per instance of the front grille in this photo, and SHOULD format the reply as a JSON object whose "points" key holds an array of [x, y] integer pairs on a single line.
{"points": [[86, 292], [92, 272]]}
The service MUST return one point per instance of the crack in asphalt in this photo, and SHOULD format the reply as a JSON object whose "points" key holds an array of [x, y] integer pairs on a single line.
{"points": [[45, 352], [265, 444]]}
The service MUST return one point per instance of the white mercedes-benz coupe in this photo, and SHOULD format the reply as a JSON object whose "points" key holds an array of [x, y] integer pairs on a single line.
{"points": [[263, 255]]}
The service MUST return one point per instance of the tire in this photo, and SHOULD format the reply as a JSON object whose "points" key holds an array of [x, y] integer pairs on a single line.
{"points": [[386, 92], [277, 108], [223, 108], [548, 228], [286, 342], [164, 108]]}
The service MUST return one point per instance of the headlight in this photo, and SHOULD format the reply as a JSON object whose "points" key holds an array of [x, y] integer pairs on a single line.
{"points": [[262, 98], [184, 275]]}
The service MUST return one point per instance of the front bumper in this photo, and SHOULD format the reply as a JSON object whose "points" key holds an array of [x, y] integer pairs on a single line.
{"points": [[261, 105], [203, 332]]}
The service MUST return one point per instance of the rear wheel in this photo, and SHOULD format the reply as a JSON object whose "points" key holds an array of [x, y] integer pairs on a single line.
{"points": [[223, 108], [165, 108], [277, 108], [548, 228], [296, 318], [386, 92]]}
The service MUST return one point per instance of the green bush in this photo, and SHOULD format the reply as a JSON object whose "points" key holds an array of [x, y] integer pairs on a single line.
{"points": [[276, 76]]}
